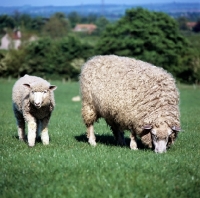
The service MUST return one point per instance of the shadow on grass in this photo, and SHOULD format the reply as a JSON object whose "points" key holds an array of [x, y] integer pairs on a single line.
{"points": [[108, 140]]}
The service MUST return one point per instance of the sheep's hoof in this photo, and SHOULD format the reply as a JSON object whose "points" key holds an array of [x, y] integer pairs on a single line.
{"points": [[92, 142], [45, 143], [121, 143], [134, 149], [22, 139], [31, 145], [133, 145]]}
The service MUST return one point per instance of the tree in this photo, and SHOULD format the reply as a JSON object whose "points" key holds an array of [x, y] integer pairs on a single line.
{"points": [[45, 57], [91, 18], [196, 28], [38, 23], [57, 26], [6, 22], [16, 17], [182, 22], [101, 23], [150, 36], [25, 21], [74, 18]]}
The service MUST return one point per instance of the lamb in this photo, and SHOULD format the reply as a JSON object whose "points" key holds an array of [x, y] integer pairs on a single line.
{"points": [[33, 102], [130, 95]]}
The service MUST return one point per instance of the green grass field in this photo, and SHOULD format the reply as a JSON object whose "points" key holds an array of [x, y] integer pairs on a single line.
{"points": [[70, 167]]}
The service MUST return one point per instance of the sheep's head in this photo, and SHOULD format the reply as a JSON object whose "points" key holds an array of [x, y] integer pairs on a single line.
{"points": [[39, 94], [162, 136]]}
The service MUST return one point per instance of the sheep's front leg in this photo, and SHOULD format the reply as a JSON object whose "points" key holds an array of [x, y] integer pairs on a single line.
{"points": [[91, 136], [44, 132], [133, 144], [32, 127]]}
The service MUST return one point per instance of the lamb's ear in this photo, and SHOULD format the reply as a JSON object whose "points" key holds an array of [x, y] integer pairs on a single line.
{"points": [[52, 87], [147, 127], [176, 128], [27, 85]]}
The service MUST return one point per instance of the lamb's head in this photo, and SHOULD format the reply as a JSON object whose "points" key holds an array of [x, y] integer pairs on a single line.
{"points": [[40, 93], [162, 136]]}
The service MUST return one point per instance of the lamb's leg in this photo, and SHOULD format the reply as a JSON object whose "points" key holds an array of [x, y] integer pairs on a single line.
{"points": [[133, 144], [32, 128], [39, 126], [21, 129], [44, 132], [20, 125]]}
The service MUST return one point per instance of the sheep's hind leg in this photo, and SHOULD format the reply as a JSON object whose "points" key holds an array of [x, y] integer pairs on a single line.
{"points": [[39, 126], [118, 134], [91, 136], [121, 139], [21, 129], [20, 125], [133, 143], [89, 117]]}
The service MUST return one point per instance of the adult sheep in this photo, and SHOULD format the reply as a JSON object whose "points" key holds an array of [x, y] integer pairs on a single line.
{"points": [[33, 102], [130, 95]]}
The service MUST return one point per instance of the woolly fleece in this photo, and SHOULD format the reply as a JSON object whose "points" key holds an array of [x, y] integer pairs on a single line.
{"points": [[25, 111], [129, 94]]}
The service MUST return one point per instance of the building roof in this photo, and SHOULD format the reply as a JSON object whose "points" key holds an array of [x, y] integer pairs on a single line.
{"points": [[191, 24], [89, 28]]}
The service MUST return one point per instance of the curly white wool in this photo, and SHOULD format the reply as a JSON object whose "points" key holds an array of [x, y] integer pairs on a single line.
{"points": [[33, 102], [130, 95]]}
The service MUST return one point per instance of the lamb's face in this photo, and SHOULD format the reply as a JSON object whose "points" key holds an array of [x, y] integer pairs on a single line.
{"points": [[37, 98], [40, 96]]}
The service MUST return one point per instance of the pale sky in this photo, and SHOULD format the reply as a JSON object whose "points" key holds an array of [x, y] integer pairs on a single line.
{"points": [[81, 2]]}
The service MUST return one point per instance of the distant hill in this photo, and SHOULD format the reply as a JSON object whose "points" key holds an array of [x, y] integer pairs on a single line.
{"points": [[111, 11]]}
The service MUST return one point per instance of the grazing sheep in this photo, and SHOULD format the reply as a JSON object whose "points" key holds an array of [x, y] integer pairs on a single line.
{"points": [[33, 102], [130, 95]]}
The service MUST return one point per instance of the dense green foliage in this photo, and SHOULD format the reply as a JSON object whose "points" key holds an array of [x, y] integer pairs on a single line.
{"points": [[150, 36], [195, 43], [76, 18], [70, 167], [196, 28], [59, 52], [57, 26], [61, 58], [21, 20]]}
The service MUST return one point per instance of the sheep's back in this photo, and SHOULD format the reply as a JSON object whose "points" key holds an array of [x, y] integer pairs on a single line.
{"points": [[126, 89]]}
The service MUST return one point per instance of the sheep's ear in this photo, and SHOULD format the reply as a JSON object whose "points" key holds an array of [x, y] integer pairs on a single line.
{"points": [[27, 85], [147, 127], [52, 87], [175, 128]]}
